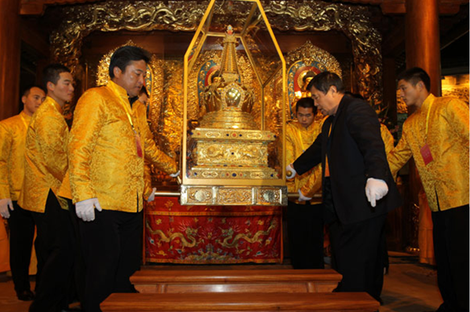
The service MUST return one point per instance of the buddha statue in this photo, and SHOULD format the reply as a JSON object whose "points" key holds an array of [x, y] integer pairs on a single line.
{"points": [[226, 102]]}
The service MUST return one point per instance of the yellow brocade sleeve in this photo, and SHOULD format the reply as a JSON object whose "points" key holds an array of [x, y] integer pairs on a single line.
{"points": [[152, 153], [52, 135], [5, 148], [387, 137], [457, 115], [12, 148], [147, 181], [398, 156], [290, 159], [314, 182]]}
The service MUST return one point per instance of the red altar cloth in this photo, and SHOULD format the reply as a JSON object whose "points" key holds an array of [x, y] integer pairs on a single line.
{"points": [[212, 234]]}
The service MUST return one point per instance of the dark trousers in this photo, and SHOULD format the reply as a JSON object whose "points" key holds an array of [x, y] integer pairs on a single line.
{"points": [[357, 250], [358, 255], [112, 253], [21, 226], [78, 287], [305, 231], [54, 248], [450, 234]]}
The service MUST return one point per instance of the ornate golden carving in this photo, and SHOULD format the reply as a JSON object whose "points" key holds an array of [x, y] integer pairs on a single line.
{"points": [[235, 196], [353, 21], [312, 15], [303, 58], [226, 195], [170, 117], [107, 16]]}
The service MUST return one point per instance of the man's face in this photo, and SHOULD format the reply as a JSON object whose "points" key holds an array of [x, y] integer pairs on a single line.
{"points": [[326, 103], [305, 116], [132, 78], [62, 91], [32, 101], [409, 94]]}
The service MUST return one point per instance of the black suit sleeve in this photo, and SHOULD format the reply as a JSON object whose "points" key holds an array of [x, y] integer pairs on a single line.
{"points": [[364, 127]]}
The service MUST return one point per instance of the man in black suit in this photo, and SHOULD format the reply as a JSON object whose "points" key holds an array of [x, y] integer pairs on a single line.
{"points": [[358, 189]]}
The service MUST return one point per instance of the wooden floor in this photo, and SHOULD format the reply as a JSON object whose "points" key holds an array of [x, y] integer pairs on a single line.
{"points": [[409, 286]]}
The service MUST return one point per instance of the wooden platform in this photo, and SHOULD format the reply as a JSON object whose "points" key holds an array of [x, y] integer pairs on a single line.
{"points": [[235, 281], [233, 302]]}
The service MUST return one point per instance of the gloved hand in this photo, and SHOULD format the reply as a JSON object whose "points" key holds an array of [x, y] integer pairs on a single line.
{"points": [[174, 175], [375, 190], [152, 195], [4, 205], [290, 172], [85, 209], [303, 198]]}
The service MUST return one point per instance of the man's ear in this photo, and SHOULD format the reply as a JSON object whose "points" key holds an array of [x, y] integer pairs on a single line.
{"points": [[117, 72], [50, 86], [333, 89], [23, 99], [421, 85]]}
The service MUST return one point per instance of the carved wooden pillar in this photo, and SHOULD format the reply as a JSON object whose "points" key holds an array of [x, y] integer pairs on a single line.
{"points": [[9, 57], [422, 39]]}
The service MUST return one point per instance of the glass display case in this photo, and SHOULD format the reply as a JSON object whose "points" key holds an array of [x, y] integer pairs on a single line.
{"points": [[234, 83]]}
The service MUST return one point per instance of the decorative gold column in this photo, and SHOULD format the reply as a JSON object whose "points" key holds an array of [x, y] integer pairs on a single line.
{"points": [[9, 57], [422, 39]]}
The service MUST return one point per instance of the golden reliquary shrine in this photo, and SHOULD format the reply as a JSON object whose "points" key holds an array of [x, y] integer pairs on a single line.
{"points": [[223, 81]]}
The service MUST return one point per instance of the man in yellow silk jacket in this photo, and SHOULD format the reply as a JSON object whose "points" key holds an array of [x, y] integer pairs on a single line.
{"points": [[107, 148], [436, 135], [304, 219], [20, 221], [45, 166]]}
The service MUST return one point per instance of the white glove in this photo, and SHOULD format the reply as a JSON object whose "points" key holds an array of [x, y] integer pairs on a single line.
{"points": [[85, 209], [290, 172], [375, 190], [174, 175], [152, 195], [4, 205], [303, 198]]}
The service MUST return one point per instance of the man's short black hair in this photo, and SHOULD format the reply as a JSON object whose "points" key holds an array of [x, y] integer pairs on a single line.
{"points": [[415, 75], [306, 102], [51, 73], [28, 88], [324, 80], [124, 55]]}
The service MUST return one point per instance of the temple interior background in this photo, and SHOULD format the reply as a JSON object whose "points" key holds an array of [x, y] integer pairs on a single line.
{"points": [[367, 39]]}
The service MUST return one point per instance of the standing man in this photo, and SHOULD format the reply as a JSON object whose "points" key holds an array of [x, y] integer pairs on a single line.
{"points": [[20, 221], [304, 219], [45, 167], [436, 136], [358, 189], [107, 148]]}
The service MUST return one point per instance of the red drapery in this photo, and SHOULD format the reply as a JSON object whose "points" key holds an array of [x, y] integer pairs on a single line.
{"points": [[212, 234]]}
